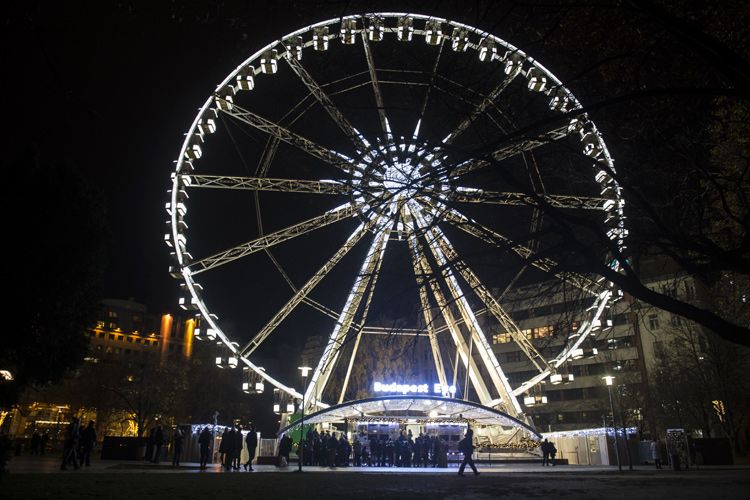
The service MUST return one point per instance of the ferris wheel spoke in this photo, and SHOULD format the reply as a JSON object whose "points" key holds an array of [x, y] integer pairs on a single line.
{"points": [[336, 115], [511, 148], [499, 380], [329, 156], [300, 295], [489, 301], [327, 361], [376, 88], [271, 239], [474, 195], [268, 184], [433, 75], [485, 103], [484, 233]]}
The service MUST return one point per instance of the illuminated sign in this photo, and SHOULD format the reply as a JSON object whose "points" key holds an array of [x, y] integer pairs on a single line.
{"points": [[441, 389]]}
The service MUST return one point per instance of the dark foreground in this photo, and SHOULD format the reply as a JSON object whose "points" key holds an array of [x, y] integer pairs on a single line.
{"points": [[141, 485]]}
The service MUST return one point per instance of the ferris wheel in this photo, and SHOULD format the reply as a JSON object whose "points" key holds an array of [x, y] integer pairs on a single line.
{"points": [[391, 133]]}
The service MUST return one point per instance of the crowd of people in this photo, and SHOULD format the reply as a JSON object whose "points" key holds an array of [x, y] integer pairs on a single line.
{"points": [[332, 449], [323, 449]]}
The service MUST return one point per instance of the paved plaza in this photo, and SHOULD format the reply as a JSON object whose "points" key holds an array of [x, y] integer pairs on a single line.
{"points": [[41, 478]]}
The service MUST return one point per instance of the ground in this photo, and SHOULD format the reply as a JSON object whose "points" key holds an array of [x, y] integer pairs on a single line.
{"points": [[41, 479]]}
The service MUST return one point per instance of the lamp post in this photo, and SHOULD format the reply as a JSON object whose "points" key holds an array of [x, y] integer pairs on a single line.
{"points": [[305, 371], [609, 379]]}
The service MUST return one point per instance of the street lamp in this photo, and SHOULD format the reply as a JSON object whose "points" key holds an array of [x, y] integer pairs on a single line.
{"points": [[305, 371], [609, 379]]}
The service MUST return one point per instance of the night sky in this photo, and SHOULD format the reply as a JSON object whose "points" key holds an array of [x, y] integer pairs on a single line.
{"points": [[112, 87]]}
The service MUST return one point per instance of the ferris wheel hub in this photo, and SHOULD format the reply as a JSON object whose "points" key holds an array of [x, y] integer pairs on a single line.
{"points": [[398, 171]]}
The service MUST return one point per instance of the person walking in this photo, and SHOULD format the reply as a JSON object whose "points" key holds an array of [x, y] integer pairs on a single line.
{"points": [[70, 446], [177, 439], [656, 452], [88, 440], [466, 446], [204, 443]]}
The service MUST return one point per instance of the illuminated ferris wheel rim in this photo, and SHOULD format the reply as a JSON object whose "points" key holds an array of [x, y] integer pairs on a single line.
{"points": [[396, 179]]}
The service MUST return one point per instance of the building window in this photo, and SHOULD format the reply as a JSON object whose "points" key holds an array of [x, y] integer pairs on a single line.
{"points": [[689, 291], [658, 349], [653, 321], [111, 336], [112, 314], [511, 357], [675, 320]]}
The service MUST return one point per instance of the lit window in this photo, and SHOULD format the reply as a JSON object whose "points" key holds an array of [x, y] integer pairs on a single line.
{"points": [[501, 338]]}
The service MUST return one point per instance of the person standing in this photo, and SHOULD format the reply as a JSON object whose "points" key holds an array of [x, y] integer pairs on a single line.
{"points": [[150, 445], [545, 448], [88, 440], [466, 446], [251, 440], [227, 442], [158, 443], [71, 444], [237, 448], [333, 444], [285, 447], [357, 452], [204, 442], [177, 439], [656, 453], [552, 453], [36, 440], [44, 441]]}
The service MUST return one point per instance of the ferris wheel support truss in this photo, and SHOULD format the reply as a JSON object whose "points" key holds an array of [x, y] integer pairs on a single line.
{"points": [[361, 328], [327, 362], [499, 380], [424, 302], [462, 349]]}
